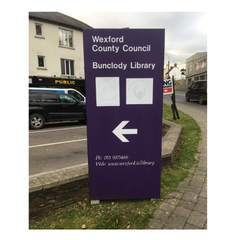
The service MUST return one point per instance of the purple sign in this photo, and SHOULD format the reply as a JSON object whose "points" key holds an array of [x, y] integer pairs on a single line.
{"points": [[124, 91]]}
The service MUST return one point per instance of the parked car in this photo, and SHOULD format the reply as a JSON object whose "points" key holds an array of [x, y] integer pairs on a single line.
{"points": [[53, 106], [197, 91], [69, 91]]}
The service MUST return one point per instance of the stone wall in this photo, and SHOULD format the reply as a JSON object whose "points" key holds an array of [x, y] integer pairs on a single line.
{"points": [[55, 189]]}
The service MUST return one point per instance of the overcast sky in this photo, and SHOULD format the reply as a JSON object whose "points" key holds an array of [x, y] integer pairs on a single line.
{"points": [[185, 32]]}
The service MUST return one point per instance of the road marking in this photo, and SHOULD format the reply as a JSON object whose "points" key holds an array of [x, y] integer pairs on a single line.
{"points": [[58, 170], [177, 94], [50, 144], [61, 129], [180, 94]]}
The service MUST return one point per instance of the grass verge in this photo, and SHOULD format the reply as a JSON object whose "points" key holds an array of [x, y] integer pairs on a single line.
{"points": [[128, 214]]}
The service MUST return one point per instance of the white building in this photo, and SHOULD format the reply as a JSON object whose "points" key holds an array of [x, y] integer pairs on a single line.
{"points": [[56, 50], [174, 72]]}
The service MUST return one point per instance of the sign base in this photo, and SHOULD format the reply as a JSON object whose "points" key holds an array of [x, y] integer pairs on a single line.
{"points": [[94, 202]]}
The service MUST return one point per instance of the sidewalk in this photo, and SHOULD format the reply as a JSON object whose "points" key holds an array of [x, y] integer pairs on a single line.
{"points": [[187, 208]]}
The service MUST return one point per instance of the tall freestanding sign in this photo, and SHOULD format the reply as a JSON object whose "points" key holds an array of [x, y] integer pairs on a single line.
{"points": [[124, 90]]}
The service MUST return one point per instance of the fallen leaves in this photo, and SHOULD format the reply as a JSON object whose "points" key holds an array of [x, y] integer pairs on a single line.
{"points": [[83, 205], [52, 225]]}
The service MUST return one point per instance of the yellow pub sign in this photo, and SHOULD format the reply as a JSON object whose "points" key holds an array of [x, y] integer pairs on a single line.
{"points": [[64, 82]]}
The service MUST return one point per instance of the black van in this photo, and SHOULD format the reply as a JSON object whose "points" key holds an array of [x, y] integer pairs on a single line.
{"points": [[52, 107], [197, 91]]}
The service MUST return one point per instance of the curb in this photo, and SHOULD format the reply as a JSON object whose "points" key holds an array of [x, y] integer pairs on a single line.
{"points": [[170, 141], [66, 175]]}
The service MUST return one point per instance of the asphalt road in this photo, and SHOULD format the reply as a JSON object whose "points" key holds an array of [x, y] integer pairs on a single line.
{"points": [[57, 145], [180, 98], [60, 145]]}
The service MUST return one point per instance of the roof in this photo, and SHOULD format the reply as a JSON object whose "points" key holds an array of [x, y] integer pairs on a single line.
{"points": [[58, 19], [196, 56], [172, 69]]}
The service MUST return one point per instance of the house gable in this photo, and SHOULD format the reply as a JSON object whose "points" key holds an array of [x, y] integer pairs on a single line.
{"points": [[58, 19]]}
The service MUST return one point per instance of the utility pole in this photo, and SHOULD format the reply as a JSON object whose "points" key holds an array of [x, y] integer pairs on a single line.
{"points": [[174, 107], [168, 69]]}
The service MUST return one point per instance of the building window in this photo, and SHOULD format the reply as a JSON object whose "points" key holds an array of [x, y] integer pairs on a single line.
{"points": [[203, 63], [38, 29], [65, 38], [41, 61], [189, 69], [67, 67]]}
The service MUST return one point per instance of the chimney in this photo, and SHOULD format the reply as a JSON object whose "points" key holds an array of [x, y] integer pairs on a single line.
{"points": [[175, 65]]}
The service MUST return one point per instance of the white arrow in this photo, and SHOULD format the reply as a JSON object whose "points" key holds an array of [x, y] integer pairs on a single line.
{"points": [[119, 131]]}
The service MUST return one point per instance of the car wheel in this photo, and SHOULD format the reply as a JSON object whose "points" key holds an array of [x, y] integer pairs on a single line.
{"points": [[187, 98], [201, 100], [36, 121]]}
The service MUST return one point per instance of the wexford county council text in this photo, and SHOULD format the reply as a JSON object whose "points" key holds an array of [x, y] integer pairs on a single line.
{"points": [[113, 48], [97, 47]]}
